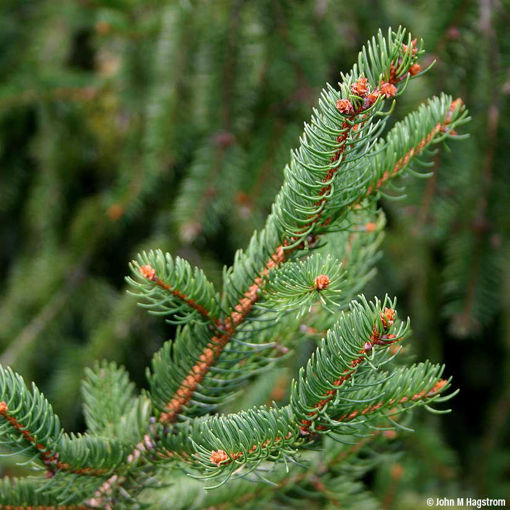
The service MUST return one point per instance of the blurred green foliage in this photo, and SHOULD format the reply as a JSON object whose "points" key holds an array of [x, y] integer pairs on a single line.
{"points": [[129, 125]]}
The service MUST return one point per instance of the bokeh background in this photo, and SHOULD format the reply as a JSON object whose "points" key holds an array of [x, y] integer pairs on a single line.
{"points": [[137, 124]]}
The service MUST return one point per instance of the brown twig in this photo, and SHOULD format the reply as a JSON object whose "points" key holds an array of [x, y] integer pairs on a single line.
{"points": [[215, 347], [222, 458], [150, 273], [49, 458], [44, 507]]}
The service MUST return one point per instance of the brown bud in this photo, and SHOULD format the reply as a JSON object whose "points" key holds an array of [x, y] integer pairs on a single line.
{"points": [[360, 87], [414, 69], [322, 282], [148, 272], [388, 89], [217, 457], [344, 106], [396, 471], [115, 212]]}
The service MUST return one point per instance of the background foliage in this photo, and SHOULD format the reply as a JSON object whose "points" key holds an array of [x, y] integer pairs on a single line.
{"points": [[129, 125]]}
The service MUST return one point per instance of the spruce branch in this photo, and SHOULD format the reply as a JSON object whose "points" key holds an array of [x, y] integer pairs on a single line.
{"points": [[431, 123], [315, 475], [26, 494], [341, 132], [30, 425], [351, 345], [326, 398], [174, 288], [28, 422], [91, 455], [111, 408], [219, 445], [390, 157], [297, 285], [185, 388]]}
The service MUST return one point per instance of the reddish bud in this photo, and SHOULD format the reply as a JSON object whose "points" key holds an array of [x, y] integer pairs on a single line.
{"points": [[148, 272], [344, 106], [414, 69], [388, 89], [217, 457], [360, 87], [388, 317], [372, 97], [413, 45], [115, 212], [396, 471], [322, 282]]}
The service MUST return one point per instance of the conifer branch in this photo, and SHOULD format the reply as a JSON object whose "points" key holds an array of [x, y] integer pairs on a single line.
{"points": [[173, 287], [297, 285], [353, 351], [150, 274], [309, 193], [26, 494], [214, 348], [29, 420], [324, 399], [441, 127], [49, 457], [44, 507], [221, 444], [308, 186], [124, 416]]}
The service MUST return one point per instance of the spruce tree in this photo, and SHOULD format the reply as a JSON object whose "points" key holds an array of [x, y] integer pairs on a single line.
{"points": [[301, 273]]}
